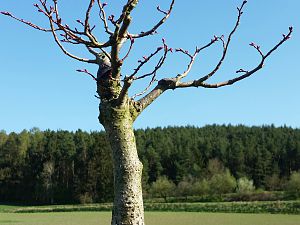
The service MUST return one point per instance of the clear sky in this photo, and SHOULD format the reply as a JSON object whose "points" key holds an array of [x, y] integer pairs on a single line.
{"points": [[39, 85]]}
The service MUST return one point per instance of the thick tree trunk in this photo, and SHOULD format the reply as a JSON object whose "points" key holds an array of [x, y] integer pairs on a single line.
{"points": [[128, 201]]}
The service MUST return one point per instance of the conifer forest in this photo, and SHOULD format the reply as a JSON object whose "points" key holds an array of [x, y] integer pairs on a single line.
{"points": [[58, 167]]}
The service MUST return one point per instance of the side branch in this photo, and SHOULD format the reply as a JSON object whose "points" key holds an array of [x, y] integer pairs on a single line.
{"points": [[103, 18], [131, 78], [172, 83], [69, 35], [247, 73], [156, 26], [87, 27], [27, 22], [64, 50], [179, 77], [85, 71], [225, 44], [48, 12], [152, 73]]}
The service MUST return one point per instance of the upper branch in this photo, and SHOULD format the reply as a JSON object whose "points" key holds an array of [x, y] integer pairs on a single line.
{"points": [[87, 27], [179, 77], [145, 60], [200, 83], [27, 22], [58, 29], [174, 83], [248, 73], [102, 16], [125, 18], [118, 37], [131, 78], [225, 44], [64, 50], [156, 26], [48, 12]]}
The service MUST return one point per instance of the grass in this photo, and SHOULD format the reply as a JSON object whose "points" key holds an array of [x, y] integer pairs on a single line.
{"points": [[152, 218], [277, 207], [7, 208]]}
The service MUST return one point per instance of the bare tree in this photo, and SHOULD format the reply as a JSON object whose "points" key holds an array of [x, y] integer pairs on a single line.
{"points": [[118, 110]]}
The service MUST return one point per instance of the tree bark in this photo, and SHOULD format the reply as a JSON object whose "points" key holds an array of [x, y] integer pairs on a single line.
{"points": [[128, 200]]}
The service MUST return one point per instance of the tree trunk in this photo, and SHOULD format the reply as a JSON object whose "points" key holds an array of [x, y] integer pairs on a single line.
{"points": [[128, 200]]}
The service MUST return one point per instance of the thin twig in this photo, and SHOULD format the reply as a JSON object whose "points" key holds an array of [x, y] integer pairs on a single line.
{"points": [[147, 88], [27, 22], [102, 16], [88, 73], [156, 26], [144, 61], [199, 83], [225, 45]]}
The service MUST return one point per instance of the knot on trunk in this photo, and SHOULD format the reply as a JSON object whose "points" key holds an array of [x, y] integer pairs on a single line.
{"points": [[168, 83], [108, 88]]}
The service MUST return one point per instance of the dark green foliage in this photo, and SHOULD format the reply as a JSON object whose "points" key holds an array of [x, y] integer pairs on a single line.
{"points": [[48, 167], [55, 167]]}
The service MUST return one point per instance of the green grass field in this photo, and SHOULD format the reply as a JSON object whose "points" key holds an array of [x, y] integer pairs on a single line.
{"points": [[5, 208], [152, 218]]}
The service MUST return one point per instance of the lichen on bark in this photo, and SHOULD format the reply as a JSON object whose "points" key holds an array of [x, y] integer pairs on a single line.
{"points": [[128, 202]]}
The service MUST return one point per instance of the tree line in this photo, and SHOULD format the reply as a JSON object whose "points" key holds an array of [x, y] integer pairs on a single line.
{"points": [[44, 167]]}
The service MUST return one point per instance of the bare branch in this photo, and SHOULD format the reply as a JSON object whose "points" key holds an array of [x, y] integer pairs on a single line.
{"points": [[153, 73], [156, 26], [225, 44], [144, 102], [248, 73], [285, 38], [130, 48], [129, 80], [102, 16], [62, 47], [88, 73], [145, 60], [87, 27], [172, 83], [87, 16], [128, 7], [157, 67], [199, 83], [53, 30], [189, 67], [55, 9], [162, 11], [147, 88], [179, 77], [119, 36], [27, 22], [72, 36]]}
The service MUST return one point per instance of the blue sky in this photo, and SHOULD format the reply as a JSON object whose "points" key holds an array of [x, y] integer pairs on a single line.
{"points": [[39, 85]]}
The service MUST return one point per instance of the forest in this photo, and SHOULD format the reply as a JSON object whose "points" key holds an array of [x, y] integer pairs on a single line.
{"points": [[56, 167]]}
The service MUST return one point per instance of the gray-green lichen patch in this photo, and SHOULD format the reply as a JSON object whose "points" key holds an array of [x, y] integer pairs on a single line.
{"points": [[128, 202]]}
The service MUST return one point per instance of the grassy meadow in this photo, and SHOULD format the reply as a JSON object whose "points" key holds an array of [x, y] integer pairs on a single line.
{"points": [[152, 218]]}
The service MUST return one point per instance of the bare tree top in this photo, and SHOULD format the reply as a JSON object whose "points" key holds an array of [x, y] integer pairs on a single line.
{"points": [[117, 29]]}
